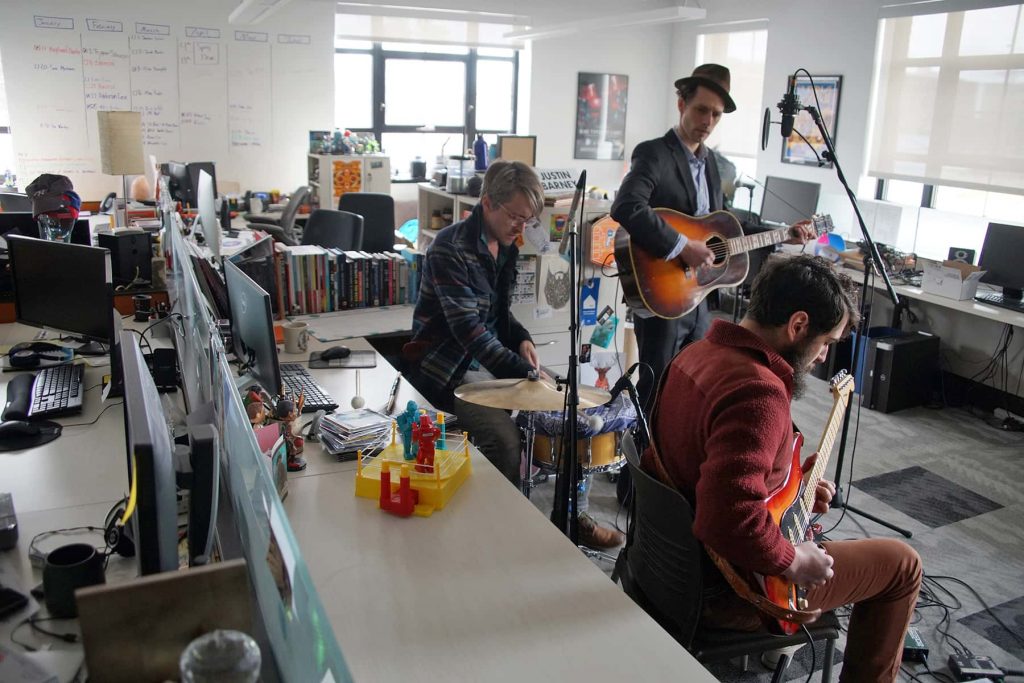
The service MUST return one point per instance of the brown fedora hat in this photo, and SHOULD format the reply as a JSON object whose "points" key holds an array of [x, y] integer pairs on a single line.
{"points": [[714, 77]]}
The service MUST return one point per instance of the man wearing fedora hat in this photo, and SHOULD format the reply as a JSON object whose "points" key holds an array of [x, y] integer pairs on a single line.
{"points": [[677, 171]]}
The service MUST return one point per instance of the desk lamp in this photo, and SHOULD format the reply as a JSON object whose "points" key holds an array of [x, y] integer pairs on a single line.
{"points": [[121, 147]]}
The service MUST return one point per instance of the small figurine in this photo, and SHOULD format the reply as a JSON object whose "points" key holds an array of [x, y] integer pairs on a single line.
{"points": [[257, 413], [424, 432], [405, 421], [286, 411]]}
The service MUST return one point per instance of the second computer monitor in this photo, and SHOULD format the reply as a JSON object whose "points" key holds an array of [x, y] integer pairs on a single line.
{"points": [[252, 328], [1002, 256], [787, 201]]}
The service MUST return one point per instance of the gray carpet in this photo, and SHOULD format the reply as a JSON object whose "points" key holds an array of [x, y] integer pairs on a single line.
{"points": [[947, 477]]}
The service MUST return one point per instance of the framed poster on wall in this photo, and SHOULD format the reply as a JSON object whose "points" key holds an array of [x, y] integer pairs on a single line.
{"points": [[794, 149], [601, 116]]}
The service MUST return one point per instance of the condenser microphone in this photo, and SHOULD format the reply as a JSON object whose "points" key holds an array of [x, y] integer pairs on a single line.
{"points": [[622, 383], [580, 184], [789, 106]]}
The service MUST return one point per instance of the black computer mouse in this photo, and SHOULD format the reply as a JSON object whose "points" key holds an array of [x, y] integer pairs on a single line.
{"points": [[12, 429], [335, 352]]}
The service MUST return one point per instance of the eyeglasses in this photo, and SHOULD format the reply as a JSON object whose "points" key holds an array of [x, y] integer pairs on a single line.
{"points": [[525, 221]]}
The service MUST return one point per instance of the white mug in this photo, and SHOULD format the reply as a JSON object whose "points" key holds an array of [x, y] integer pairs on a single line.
{"points": [[296, 337]]}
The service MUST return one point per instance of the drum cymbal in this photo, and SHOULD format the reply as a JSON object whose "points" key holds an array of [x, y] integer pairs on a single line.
{"points": [[527, 394]]}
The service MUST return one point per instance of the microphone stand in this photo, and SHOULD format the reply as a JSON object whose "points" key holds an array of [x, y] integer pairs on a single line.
{"points": [[564, 511], [872, 259]]}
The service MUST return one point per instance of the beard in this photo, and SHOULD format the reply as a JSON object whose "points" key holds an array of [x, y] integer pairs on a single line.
{"points": [[800, 357]]}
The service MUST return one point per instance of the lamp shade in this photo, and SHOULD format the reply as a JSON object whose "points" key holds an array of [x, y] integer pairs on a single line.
{"points": [[120, 142]]}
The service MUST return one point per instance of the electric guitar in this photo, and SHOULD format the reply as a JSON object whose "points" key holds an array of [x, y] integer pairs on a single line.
{"points": [[783, 605], [671, 289]]}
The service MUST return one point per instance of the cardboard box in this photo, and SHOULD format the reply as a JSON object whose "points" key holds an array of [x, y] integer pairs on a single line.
{"points": [[952, 279]]}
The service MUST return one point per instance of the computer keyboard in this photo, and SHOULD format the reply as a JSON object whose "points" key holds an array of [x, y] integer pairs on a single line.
{"points": [[57, 390], [994, 299], [297, 380]]}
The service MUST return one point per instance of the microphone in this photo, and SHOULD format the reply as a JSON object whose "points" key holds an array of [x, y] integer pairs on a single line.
{"points": [[580, 184], [740, 182], [622, 383], [790, 106]]}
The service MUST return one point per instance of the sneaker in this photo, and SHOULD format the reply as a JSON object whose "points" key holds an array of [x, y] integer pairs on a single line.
{"points": [[593, 535], [770, 658]]}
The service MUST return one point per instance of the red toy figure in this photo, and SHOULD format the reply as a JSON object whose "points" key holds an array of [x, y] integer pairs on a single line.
{"points": [[404, 501], [424, 434]]}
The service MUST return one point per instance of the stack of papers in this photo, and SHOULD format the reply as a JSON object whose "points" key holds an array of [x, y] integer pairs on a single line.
{"points": [[364, 429]]}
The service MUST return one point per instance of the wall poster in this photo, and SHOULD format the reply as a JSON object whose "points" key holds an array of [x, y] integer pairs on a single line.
{"points": [[601, 116]]}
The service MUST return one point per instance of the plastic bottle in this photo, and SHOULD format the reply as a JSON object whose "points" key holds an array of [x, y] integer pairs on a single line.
{"points": [[480, 153]]}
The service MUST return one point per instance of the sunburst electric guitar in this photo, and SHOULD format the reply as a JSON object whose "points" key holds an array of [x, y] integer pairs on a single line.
{"points": [[782, 603], [670, 289]]}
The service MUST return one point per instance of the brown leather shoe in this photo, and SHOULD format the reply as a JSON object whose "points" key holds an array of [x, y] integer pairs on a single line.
{"points": [[593, 535]]}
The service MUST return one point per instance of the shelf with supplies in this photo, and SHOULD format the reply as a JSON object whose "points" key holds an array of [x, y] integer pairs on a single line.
{"points": [[332, 175]]}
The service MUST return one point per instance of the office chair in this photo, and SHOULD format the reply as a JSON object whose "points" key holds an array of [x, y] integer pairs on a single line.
{"points": [[378, 212], [661, 568], [12, 201], [281, 226], [330, 228]]}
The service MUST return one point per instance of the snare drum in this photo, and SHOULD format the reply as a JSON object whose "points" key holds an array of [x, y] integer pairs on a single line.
{"points": [[596, 453]]}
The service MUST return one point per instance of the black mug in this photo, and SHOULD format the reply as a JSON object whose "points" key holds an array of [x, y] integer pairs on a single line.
{"points": [[143, 304], [69, 567]]}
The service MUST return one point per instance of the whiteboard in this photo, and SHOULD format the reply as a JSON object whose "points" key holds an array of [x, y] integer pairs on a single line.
{"points": [[243, 97]]}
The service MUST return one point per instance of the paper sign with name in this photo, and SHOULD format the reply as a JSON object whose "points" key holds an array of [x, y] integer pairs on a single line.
{"points": [[557, 182]]}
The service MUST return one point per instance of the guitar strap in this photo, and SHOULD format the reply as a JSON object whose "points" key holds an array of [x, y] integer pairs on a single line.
{"points": [[732, 577]]}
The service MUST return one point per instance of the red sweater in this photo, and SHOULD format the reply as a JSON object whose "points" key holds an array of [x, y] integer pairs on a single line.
{"points": [[724, 432]]}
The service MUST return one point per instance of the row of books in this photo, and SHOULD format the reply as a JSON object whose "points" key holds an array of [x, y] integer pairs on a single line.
{"points": [[312, 279]]}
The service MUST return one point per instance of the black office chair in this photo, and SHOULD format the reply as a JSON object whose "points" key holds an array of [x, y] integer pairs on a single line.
{"points": [[12, 201], [378, 212], [281, 226], [330, 228], [661, 568]]}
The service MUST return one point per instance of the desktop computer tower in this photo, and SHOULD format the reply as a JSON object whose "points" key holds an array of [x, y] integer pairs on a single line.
{"points": [[131, 255], [900, 372]]}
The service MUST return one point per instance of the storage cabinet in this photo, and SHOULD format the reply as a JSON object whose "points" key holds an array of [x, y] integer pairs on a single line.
{"points": [[332, 175]]}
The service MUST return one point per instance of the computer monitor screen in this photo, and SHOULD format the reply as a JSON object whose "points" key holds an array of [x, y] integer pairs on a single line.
{"points": [[204, 492], [205, 195], [179, 182], [252, 327], [257, 261], [154, 522], [64, 287], [212, 286], [788, 201], [194, 167], [1002, 255], [22, 223]]}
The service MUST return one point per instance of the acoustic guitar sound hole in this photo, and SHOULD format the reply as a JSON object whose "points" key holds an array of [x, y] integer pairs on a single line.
{"points": [[718, 246]]}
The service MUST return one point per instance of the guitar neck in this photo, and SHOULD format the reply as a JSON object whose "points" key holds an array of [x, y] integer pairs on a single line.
{"points": [[740, 245], [828, 440]]}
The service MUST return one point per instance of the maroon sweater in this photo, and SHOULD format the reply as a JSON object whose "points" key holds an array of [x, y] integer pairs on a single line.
{"points": [[724, 432]]}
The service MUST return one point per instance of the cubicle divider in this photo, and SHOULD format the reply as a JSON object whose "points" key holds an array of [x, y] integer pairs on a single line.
{"points": [[298, 630]]}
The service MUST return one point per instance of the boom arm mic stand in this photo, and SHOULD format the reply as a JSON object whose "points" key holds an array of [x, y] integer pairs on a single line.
{"points": [[871, 260]]}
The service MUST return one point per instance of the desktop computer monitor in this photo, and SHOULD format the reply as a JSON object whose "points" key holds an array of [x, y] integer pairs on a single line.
{"points": [[63, 287], [252, 328], [1002, 255], [22, 223], [787, 201], [154, 521], [257, 261], [179, 182], [204, 492], [195, 167], [205, 195]]}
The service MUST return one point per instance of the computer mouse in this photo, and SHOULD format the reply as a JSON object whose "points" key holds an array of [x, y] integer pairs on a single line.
{"points": [[335, 352], [17, 428]]}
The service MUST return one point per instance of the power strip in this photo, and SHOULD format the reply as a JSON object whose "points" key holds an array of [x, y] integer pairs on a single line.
{"points": [[971, 667]]}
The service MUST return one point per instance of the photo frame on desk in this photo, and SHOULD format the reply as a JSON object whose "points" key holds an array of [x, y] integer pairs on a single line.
{"points": [[828, 90], [518, 148]]}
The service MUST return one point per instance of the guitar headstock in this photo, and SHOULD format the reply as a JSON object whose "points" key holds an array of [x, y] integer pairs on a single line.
{"points": [[822, 223], [841, 385]]}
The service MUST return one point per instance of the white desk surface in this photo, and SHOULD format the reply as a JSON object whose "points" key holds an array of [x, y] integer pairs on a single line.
{"points": [[486, 589]]}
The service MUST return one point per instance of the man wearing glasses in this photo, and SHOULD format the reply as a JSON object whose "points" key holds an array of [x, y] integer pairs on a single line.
{"points": [[463, 328]]}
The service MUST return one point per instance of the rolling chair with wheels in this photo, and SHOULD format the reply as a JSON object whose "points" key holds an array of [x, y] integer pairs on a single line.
{"points": [[281, 226], [338, 229], [661, 568], [378, 212]]}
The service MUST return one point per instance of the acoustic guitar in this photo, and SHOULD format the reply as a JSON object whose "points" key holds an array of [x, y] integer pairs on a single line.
{"points": [[790, 507], [671, 289]]}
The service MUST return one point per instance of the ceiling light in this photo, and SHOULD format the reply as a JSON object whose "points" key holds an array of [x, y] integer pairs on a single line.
{"points": [[656, 16], [254, 11]]}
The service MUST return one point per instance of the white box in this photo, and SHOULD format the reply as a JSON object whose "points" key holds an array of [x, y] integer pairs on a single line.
{"points": [[951, 279]]}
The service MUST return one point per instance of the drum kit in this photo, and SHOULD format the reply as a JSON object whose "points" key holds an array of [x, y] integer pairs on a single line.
{"points": [[540, 402]]}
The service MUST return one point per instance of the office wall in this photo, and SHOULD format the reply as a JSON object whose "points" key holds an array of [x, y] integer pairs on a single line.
{"points": [[242, 96], [640, 53]]}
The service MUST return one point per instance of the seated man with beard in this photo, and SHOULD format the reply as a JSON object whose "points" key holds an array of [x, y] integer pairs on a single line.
{"points": [[723, 437]]}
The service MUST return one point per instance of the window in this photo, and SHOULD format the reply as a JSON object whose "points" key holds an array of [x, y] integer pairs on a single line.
{"points": [[737, 135], [950, 90], [7, 169], [424, 100]]}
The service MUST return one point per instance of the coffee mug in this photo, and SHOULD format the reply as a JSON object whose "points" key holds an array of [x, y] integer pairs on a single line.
{"points": [[69, 567], [296, 337], [143, 303]]}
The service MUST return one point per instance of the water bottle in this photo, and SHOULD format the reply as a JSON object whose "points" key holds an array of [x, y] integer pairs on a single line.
{"points": [[480, 153]]}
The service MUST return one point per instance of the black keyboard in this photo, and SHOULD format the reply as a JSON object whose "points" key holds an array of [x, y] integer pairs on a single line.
{"points": [[1001, 301], [57, 390], [297, 380]]}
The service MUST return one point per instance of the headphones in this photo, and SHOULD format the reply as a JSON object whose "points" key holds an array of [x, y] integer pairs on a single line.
{"points": [[29, 355], [117, 536]]}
